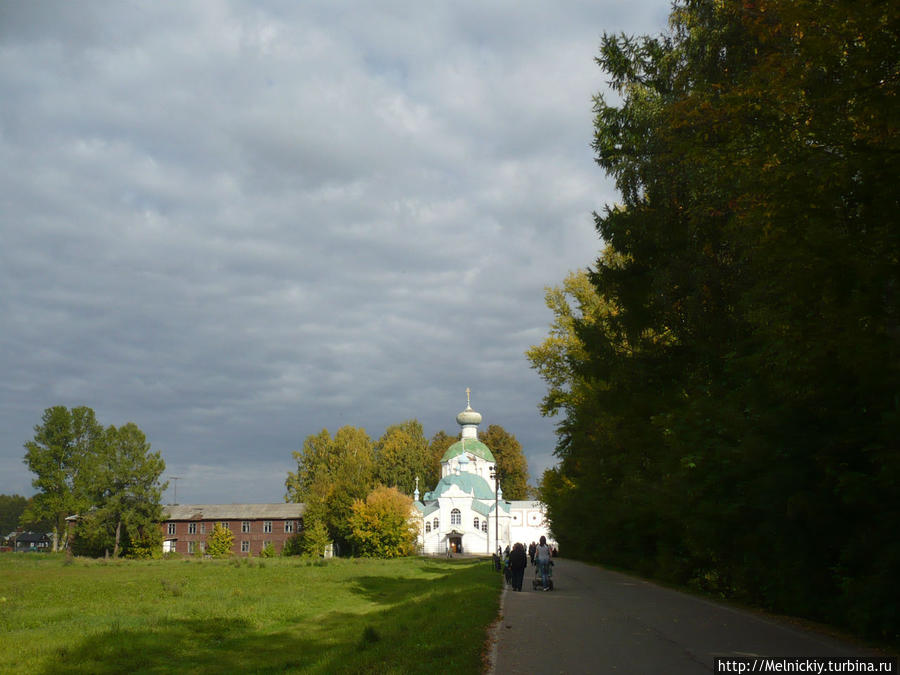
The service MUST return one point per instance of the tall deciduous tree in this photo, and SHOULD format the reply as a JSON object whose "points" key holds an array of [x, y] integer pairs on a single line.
{"points": [[331, 474], [511, 463], [125, 487], [740, 420], [62, 455], [401, 455]]}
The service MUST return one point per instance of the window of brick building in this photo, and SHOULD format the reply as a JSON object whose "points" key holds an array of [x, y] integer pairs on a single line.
{"points": [[192, 547], [192, 529], [225, 525], [267, 526], [202, 528], [171, 528], [289, 526], [245, 547], [245, 526]]}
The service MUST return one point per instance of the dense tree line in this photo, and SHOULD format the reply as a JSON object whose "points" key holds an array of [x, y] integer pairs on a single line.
{"points": [[12, 510], [341, 480], [727, 373], [107, 476]]}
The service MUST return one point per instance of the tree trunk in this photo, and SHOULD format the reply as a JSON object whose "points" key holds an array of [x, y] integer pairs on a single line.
{"points": [[118, 533]]}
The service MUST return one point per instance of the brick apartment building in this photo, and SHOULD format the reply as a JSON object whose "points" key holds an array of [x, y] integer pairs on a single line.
{"points": [[186, 526]]}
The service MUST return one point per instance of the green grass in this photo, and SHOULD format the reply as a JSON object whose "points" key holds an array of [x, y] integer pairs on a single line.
{"points": [[255, 616]]}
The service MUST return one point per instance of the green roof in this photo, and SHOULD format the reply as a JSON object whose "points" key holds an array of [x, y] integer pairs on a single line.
{"points": [[471, 445], [469, 483]]}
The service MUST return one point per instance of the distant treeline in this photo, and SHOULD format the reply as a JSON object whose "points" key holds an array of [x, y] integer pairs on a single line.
{"points": [[728, 374]]}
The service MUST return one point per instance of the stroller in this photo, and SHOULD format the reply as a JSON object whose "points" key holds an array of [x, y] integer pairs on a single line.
{"points": [[537, 582]]}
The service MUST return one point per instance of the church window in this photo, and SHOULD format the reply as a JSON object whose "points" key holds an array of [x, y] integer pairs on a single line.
{"points": [[455, 517], [484, 525], [476, 523], [435, 524], [427, 526]]}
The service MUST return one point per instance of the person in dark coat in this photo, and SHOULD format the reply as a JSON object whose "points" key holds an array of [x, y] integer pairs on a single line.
{"points": [[531, 550], [517, 562]]}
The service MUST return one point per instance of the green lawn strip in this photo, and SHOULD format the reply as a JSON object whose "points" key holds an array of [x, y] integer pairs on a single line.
{"points": [[286, 614]]}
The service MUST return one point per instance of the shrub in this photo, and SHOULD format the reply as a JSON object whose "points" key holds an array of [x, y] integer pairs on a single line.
{"points": [[380, 526], [219, 543]]}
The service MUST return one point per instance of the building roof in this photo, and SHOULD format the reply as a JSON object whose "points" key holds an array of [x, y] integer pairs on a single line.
{"points": [[233, 511], [428, 509], [35, 537], [470, 445], [469, 483]]}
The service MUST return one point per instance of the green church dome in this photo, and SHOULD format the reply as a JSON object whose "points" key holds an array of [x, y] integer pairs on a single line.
{"points": [[468, 416], [471, 445]]}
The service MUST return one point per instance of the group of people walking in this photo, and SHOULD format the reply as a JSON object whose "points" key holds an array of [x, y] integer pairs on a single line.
{"points": [[516, 560]]}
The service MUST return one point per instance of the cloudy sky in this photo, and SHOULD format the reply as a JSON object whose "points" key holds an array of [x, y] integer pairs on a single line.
{"points": [[236, 224]]}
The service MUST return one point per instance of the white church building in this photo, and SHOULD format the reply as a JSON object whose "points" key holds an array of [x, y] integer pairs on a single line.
{"points": [[466, 512]]}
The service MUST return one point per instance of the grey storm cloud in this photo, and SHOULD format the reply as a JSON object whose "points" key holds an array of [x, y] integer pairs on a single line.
{"points": [[238, 224]]}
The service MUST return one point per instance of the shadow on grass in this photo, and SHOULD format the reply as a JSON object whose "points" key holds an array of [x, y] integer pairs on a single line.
{"points": [[422, 625], [188, 645], [389, 591]]}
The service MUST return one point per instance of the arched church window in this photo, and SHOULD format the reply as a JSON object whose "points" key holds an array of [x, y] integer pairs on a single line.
{"points": [[427, 526], [435, 524], [455, 517], [476, 523], [484, 526]]}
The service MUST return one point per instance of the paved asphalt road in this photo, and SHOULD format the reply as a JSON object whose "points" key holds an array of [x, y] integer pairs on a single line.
{"points": [[597, 621]]}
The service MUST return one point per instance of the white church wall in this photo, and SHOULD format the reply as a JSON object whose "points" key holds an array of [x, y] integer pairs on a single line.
{"points": [[529, 522]]}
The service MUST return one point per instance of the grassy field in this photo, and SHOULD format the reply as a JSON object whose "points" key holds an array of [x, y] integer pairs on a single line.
{"points": [[248, 616]]}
